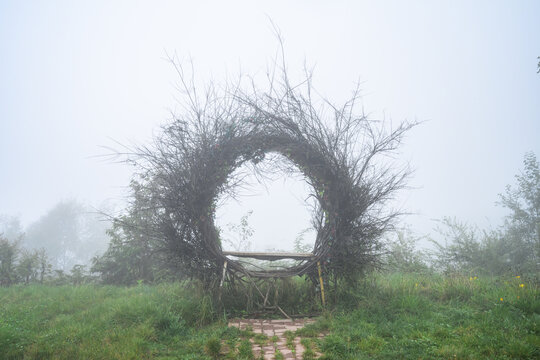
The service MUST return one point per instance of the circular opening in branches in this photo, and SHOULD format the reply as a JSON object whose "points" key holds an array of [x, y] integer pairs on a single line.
{"points": [[271, 211]]}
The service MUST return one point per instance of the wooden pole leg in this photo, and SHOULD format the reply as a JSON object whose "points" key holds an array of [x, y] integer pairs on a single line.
{"points": [[222, 279], [321, 283]]}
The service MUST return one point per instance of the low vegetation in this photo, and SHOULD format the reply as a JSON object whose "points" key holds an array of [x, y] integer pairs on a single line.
{"points": [[404, 316], [105, 322], [436, 317]]}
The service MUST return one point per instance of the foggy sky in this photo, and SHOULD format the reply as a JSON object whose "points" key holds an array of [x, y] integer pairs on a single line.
{"points": [[76, 76]]}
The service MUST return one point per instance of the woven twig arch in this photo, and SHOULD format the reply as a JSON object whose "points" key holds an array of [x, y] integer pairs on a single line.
{"points": [[193, 161], [235, 149]]}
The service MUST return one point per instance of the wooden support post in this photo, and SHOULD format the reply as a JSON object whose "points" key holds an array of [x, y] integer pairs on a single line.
{"points": [[321, 283], [266, 297], [223, 275], [222, 279]]}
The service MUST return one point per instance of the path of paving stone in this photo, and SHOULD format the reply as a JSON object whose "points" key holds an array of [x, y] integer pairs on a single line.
{"points": [[276, 328]]}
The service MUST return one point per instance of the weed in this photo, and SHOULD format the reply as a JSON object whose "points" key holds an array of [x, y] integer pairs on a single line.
{"points": [[278, 355], [245, 351], [289, 335], [260, 339], [213, 347], [309, 352]]}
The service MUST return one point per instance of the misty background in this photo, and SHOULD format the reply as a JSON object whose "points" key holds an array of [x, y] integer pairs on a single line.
{"points": [[77, 79]]}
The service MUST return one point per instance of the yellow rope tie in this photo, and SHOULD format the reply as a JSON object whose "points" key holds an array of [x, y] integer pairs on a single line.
{"points": [[321, 282]]}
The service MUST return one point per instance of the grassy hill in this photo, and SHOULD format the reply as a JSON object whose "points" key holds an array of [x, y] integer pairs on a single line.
{"points": [[383, 317]]}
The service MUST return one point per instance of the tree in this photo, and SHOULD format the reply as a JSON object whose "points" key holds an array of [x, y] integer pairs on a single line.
{"points": [[133, 254], [70, 232], [11, 228], [28, 266], [515, 248], [468, 250], [522, 225], [78, 274], [58, 232], [60, 277], [245, 232], [44, 266], [403, 256], [9, 252], [21, 265]]}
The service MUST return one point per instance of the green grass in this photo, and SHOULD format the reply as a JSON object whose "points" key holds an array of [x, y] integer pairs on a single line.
{"points": [[94, 322], [435, 317], [382, 317]]}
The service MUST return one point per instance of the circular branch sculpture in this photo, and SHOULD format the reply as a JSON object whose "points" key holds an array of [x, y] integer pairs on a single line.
{"points": [[338, 152]]}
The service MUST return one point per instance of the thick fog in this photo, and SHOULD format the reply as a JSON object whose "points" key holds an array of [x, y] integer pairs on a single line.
{"points": [[80, 78]]}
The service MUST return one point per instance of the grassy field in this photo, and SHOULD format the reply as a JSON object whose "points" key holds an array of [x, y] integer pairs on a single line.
{"points": [[383, 317]]}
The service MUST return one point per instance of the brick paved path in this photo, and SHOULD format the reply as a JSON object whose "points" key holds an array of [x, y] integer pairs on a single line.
{"points": [[276, 328]]}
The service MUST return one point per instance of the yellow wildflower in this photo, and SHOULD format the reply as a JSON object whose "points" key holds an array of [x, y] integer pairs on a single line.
{"points": [[521, 285], [502, 299], [476, 277], [416, 285], [470, 278], [517, 277]]}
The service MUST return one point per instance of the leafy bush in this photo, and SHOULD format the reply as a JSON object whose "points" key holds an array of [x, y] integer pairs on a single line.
{"points": [[513, 249], [403, 254]]}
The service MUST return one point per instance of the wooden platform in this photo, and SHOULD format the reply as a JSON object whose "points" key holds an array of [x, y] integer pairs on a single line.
{"points": [[270, 256]]}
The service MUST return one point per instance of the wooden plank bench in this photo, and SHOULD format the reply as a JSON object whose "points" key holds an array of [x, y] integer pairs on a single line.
{"points": [[270, 256]]}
